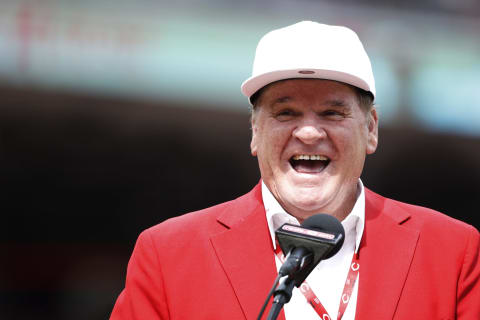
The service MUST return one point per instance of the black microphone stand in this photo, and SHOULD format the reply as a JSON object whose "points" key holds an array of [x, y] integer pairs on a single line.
{"points": [[320, 237], [281, 295]]}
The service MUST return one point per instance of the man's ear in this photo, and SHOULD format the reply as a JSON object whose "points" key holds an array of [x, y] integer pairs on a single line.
{"points": [[253, 142], [372, 123]]}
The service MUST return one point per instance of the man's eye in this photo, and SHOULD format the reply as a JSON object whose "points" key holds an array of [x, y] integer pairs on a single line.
{"points": [[284, 114], [333, 114]]}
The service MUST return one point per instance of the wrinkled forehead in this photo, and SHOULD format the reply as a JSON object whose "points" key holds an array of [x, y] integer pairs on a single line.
{"points": [[290, 90]]}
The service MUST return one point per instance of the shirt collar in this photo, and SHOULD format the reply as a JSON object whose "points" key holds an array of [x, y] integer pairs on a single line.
{"points": [[276, 216]]}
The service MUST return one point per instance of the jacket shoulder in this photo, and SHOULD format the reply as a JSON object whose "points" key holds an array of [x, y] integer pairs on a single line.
{"points": [[206, 222], [418, 216]]}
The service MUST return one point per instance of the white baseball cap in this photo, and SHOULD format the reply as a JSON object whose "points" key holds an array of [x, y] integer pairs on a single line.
{"points": [[310, 50]]}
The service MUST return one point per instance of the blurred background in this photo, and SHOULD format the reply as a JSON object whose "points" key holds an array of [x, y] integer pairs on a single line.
{"points": [[115, 115]]}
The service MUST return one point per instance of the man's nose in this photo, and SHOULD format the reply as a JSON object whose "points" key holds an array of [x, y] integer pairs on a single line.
{"points": [[309, 133]]}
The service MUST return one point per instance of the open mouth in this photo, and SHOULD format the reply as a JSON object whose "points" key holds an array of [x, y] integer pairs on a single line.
{"points": [[304, 163]]}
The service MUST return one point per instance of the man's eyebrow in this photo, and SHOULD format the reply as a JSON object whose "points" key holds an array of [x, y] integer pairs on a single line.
{"points": [[282, 99], [335, 103]]}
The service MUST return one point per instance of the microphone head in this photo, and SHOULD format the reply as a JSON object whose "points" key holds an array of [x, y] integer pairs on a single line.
{"points": [[327, 223], [322, 235]]}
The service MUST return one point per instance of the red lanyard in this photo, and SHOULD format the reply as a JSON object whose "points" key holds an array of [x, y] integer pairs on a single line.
{"points": [[347, 289]]}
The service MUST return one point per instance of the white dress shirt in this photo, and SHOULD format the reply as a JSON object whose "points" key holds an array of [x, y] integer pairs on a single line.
{"points": [[327, 280]]}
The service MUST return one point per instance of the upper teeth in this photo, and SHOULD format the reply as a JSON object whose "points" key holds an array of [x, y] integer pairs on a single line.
{"points": [[309, 157]]}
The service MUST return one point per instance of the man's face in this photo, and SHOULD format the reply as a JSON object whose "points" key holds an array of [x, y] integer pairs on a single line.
{"points": [[311, 138]]}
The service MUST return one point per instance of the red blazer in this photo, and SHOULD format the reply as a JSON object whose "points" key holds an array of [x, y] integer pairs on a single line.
{"points": [[218, 263]]}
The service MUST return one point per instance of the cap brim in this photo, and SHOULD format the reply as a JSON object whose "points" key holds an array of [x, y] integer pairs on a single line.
{"points": [[255, 83]]}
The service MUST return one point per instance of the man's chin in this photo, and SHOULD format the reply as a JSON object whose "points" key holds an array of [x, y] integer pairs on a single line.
{"points": [[305, 182], [306, 207], [293, 183]]}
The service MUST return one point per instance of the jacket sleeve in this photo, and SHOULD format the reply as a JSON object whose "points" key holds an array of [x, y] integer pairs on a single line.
{"points": [[143, 297], [468, 291]]}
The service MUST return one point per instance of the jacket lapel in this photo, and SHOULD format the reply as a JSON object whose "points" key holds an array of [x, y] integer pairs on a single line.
{"points": [[386, 254], [245, 252]]}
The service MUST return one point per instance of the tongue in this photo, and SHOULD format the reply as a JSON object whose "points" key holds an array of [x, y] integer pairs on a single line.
{"points": [[309, 166]]}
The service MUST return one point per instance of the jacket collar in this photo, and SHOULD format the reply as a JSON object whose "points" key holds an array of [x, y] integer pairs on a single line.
{"points": [[386, 253], [245, 252]]}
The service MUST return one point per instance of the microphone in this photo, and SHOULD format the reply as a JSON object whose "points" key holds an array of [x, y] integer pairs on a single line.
{"points": [[319, 237]]}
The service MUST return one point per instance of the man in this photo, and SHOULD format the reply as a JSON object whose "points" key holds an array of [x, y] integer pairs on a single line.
{"points": [[313, 123]]}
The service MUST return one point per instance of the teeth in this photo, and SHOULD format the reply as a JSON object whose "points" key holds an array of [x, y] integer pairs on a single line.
{"points": [[309, 157]]}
